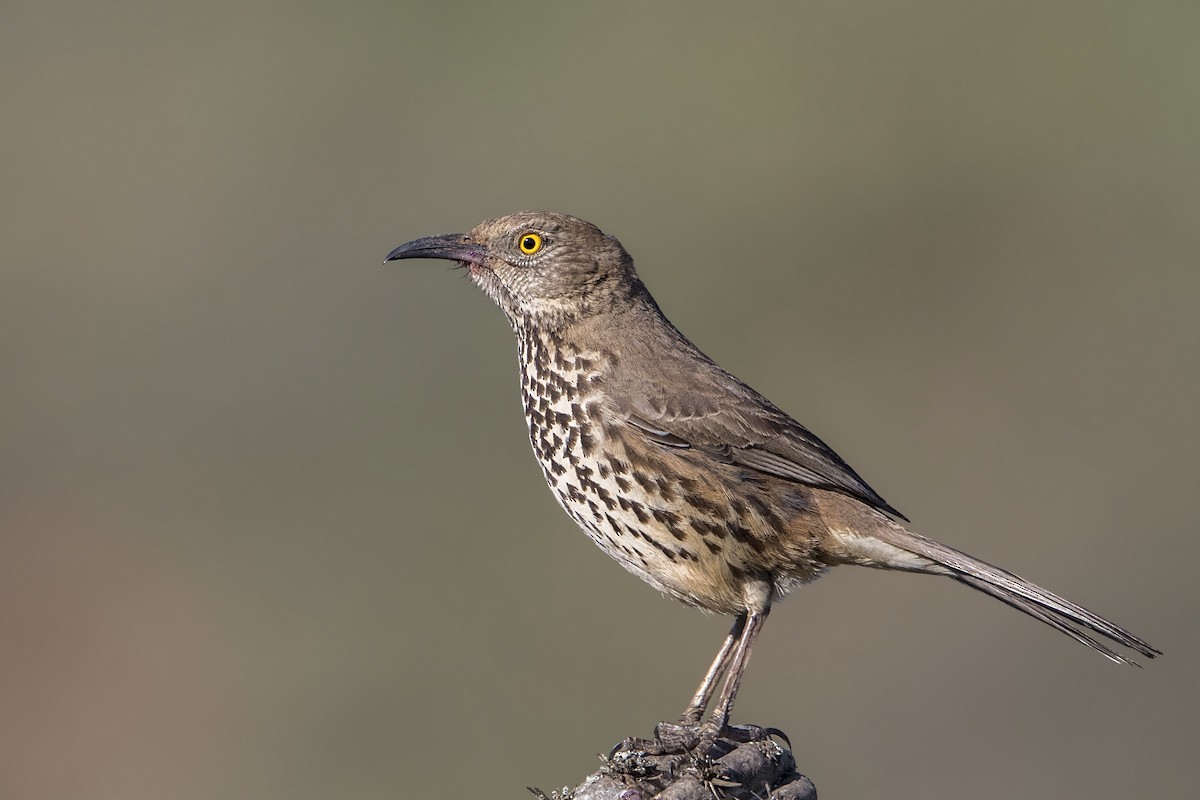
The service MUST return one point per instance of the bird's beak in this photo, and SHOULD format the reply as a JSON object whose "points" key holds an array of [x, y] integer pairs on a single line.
{"points": [[451, 246]]}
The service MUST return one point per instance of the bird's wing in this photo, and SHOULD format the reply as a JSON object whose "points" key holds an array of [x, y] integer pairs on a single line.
{"points": [[742, 427]]}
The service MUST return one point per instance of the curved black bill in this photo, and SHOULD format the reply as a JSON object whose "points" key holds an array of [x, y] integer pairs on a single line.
{"points": [[452, 246]]}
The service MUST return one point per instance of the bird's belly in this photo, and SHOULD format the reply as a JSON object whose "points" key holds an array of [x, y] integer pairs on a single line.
{"points": [[644, 525], [625, 528]]}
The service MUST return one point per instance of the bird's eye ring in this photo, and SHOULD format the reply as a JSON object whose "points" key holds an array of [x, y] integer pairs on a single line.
{"points": [[529, 243]]}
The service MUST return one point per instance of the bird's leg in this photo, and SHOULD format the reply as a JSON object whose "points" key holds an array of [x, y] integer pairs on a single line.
{"points": [[718, 723], [687, 736], [683, 735], [704, 693]]}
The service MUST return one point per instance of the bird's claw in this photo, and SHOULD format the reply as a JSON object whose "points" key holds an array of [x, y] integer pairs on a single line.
{"points": [[752, 733], [669, 739], [629, 746]]}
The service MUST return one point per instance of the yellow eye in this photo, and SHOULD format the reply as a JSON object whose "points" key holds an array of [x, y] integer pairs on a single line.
{"points": [[529, 243]]}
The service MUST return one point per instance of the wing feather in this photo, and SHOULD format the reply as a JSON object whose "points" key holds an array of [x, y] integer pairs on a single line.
{"points": [[753, 433], [677, 397]]}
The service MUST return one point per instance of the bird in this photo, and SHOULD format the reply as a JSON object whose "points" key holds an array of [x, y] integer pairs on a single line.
{"points": [[682, 473]]}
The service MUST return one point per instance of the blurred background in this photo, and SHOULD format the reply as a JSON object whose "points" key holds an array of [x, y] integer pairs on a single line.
{"points": [[269, 523]]}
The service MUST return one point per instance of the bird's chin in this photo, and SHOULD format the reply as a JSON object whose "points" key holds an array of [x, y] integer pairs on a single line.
{"points": [[481, 276], [486, 279]]}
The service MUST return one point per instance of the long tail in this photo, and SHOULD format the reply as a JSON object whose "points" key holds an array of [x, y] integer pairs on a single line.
{"points": [[1014, 590]]}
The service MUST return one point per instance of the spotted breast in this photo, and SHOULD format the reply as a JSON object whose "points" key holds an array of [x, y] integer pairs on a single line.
{"points": [[644, 505]]}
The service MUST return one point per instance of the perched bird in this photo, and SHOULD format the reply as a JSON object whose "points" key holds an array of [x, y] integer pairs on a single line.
{"points": [[686, 476]]}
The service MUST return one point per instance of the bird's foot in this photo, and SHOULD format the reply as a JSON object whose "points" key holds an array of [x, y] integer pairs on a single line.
{"points": [[715, 739], [687, 737], [678, 737], [694, 760], [669, 739]]}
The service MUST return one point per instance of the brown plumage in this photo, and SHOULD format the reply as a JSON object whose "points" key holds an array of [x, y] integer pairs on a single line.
{"points": [[686, 476]]}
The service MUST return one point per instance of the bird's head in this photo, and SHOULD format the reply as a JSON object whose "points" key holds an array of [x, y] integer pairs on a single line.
{"points": [[540, 267]]}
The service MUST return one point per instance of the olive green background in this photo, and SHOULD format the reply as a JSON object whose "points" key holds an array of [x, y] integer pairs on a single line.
{"points": [[270, 524]]}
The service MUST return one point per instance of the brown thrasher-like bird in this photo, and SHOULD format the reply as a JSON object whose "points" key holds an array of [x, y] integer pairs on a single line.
{"points": [[686, 476]]}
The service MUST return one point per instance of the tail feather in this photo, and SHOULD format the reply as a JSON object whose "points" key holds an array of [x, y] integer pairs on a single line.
{"points": [[1037, 612], [1019, 593]]}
